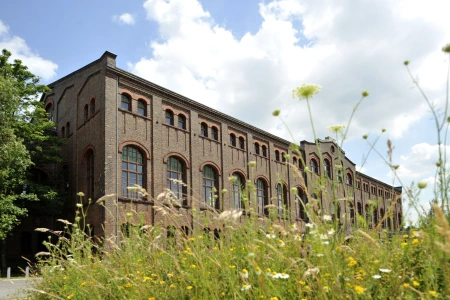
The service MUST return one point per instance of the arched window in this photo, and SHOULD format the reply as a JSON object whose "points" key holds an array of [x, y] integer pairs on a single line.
{"points": [[204, 129], [301, 201], [169, 117], [210, 186], [214, 133], [264, 150], [294, 161], [63, 131], [399, 220], [349, 179], [314, 167], [257, 148], [90, 174], [50, 112], [359, 206], [232, 140], [181, 121], [368, 216], [261, 195], [132, 171], [175, 177], [241, 142], [238, 186], [126, 102], [281, 198], [142, 108], [375, 217], [92, 104], [382, 216], [67, 129], [327, 167], [277, 155], [86, 112], [283, 157]]}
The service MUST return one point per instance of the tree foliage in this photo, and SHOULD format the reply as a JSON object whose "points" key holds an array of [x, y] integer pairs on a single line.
{"points": [[25, 131]]}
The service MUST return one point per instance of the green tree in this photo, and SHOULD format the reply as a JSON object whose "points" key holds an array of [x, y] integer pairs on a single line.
{"points": [[25, 131]]}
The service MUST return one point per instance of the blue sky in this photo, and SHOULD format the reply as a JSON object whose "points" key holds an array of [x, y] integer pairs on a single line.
{"points": [[245, 57]]}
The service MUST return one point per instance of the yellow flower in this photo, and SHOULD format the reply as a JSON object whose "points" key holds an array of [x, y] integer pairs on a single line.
{"points": [[83, 283], [192, 239], [433, 294], [405, 285], [189, 287], [302, 282], [307, 288], [404, 244], [415, 283], [232, 267], [326, 288], [376, 261], [358, 289], [193, 266], [273, 298], [222, 294], [151, 298], [146, 278], [170, 275], [128, 284], [415, 241], [162, 282], [73, 294], [351, 262], [172, 285]]}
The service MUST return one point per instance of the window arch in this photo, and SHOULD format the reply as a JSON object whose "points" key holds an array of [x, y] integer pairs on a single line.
{"points": [[281, 198], [261, 195], [283, 157], [314, 166], [176, 177], [132, 171], [233, 139], [63, 131], [210, 186], [142, 108], [215, 133], [359, 207], [327, 168], [181, 121], [294, 161], [349, 179], [168, 117], [257, 148], [301, 201], [92, 105], [241, 142], [237, 187], [89, 158], [264, 150], [50, 112], [204, 129], [86, 112], [67, 129], [277, 155], [126, 102]]}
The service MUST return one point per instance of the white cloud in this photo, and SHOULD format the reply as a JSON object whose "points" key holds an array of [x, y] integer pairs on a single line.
{"points": [[125, 18], [345, 46], [39, 66]]}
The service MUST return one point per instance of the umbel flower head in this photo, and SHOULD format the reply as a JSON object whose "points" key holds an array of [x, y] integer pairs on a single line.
{"points": [[336, 128], [306, 91], [446, 48]]}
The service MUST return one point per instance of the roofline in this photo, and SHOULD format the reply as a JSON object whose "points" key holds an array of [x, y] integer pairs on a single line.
{"points": [[378, 181], [328, 141]]}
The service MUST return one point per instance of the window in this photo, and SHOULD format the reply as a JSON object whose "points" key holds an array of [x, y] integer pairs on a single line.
{"points": [[294, 161], [181, 121], [175, 175], [382, 216], [126, 102], [241, 142], [264, 150], [142, 108], [237, 186], [232, 140], [358, 184], [63, 131], [50, 112], [257, 148], [214, 133], [261, 195], [375, 217], [327, 166], [301, 202], [169, 117], [359, 206], [281, 198], [349, 179], [283, 157], [132, 171], [86, 112], [209, 186], [368, 217], [204, 129], [92, 106], [67, 129], [314, 167], [90, 174], [277, 155]]}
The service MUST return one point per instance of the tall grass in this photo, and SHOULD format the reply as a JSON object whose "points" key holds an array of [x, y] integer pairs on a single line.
{"points": [[254, 258]]}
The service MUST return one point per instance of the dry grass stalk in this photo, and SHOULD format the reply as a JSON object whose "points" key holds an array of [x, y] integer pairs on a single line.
{"points": [[443, 228]]}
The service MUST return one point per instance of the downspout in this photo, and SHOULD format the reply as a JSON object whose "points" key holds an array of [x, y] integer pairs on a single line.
{"points": [[117, 160]]}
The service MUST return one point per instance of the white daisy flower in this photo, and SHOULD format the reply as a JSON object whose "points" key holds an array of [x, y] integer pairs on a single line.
{"points": [[297, 237], [324, 237], [385, 270], [376, 276], [319, 255], [327, 218], [281, 243], [331, 232], [309, 225], [270, 236], [246, 287], [326, 242], [244, 273]]}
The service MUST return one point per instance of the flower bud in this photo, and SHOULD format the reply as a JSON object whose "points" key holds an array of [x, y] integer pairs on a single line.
{"points": [[365, 93], [276, 113], [422, 184]]}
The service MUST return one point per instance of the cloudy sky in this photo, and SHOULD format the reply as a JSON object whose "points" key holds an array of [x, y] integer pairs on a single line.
{"points": [[244, 58]]}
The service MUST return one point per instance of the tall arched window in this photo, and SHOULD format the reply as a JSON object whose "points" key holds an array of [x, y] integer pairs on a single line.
{"points": [[327, 167], [181, 121], [210, 186], [264, 150], [375, 217], [257, 148], [233, 140], [359, 206], [86, 112], [349, 179], [142, 108], [382, 216], [214, 133], [169, 117], [92, 105], [283, 157], [261, 195], [281, 198], [277, 155], [204, 129], [126, 102], [241, 142], [90, 174], [132, 171], [237, 186], [301, 201], [294, 161], [67, 129], [314, 166], [175, 177], [399, 220], [63, 131], [50, 112]]}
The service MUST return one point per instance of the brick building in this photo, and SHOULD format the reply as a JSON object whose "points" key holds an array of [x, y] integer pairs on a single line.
{"points": [[122, 130]]}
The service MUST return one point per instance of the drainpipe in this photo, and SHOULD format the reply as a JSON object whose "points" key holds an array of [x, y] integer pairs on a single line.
{"points": [[117, 160]]}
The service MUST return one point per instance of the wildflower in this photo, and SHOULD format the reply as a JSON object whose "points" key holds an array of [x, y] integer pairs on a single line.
{"points": [[83, 283], [232, 179], [405, 236], [326, 289], [276, 113], [415, 283], [193, 266], [327, 218], [281, 243], [404, 244], [406, 62], [415, 241], [365, 136], [313, 271], [383, 129], [325, 242], [79, 205], [301, 282], [80, 194], [433, 294], [446, 48], [269, 272], [128, 284], [283, 275], [151, 298], [293, 227], [421, 184], [270, 236], [258, 271], [244, 273], [385, 270], [297, 237], [189, 287], [319, 255], [246, 287], [306, 91], [309, 225], [405, 285], [359, 290], [324, 237], [331, 232], [336, 128], [73, 294], [307, 288], [365, 93], [352, 262], [273, 298], [232, 267], [162, 282], [252, 163]]}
